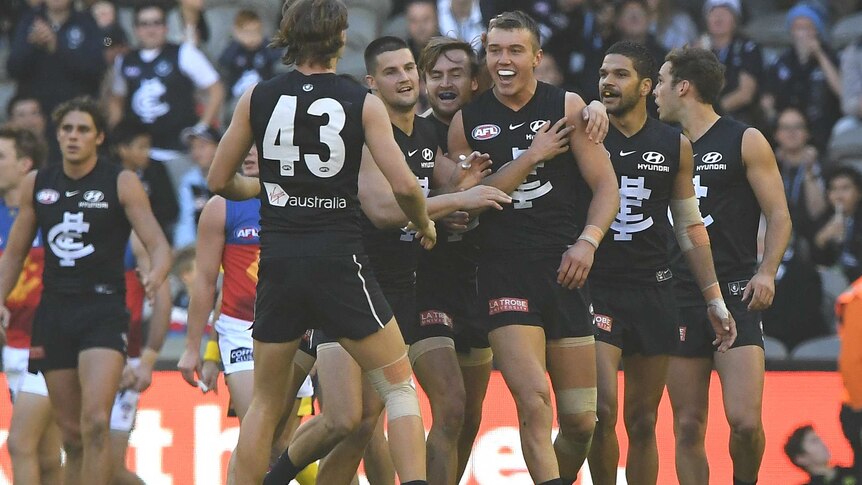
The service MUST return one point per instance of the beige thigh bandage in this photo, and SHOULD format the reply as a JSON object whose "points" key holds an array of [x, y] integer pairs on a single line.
{"points": [[572, 341], [426, 345], [328, 346], [578, 400], [392, 382], [476, 357]]}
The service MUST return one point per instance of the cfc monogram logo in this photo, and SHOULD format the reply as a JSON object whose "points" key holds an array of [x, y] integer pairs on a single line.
{"points": [[64, 239], [632, 194]]}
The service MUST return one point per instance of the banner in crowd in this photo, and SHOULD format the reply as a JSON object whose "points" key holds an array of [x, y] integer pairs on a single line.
{"points": [[182, 436]]}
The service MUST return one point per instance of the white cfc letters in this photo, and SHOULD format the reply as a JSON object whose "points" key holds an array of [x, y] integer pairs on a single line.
{"points": [[64, 239], [279, 143], [523, 196], [632, 194], [701, 191]]}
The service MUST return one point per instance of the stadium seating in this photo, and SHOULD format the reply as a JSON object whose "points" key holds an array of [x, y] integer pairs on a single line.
{"points": [[774, 349], [824, 349]]}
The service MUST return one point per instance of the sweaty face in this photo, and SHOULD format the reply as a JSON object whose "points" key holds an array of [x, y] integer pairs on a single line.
{"points": [[78, 137], [396, 79], [511, 59], [619, 86], [666, 97], [150, 28], [449, 83], [249, 164]]}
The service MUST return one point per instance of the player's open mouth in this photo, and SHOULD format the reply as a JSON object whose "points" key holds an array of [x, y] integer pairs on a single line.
{"points": [[609, 94], [447, 96], [505, 74], [405, 89]]}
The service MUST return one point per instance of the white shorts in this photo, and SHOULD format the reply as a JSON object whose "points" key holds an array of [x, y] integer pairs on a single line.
{"points": [[235, 344], [15, 362], [125, 407]]}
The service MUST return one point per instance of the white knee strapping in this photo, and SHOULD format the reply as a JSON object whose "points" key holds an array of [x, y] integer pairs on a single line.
{"points": [[392, 382]]}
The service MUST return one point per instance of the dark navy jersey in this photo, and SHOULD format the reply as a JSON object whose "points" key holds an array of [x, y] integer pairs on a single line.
{"points": [[394, 252], [160, 95], [634, 250], [543, 215], [243, 68], [442, 130], [729, 208], [84, 228], [309, 134]]}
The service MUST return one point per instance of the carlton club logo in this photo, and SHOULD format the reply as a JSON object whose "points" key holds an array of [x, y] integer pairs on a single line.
{"points": [[64, 239], [485, 132]]}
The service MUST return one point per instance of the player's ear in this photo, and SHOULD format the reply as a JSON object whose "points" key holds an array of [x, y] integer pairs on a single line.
{"points": [[683, 87], [538, 59], [646, 86], [369, 81]]}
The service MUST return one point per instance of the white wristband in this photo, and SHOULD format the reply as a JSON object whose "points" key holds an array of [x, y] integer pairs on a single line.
{"points": [[720, 308]]}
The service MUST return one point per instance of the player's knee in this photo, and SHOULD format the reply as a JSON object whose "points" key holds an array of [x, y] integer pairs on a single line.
{"points": [[606, 412], [640, 425], [690, 431], [578, 427], [342, 423], [392, 382], [95, 428], [22, 444], [746, 428]]}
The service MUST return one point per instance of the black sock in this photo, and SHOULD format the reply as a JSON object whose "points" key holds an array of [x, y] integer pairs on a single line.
{"points": [[568, 481], [282, 472], [556, 481], [415, 482], [737, 481]]}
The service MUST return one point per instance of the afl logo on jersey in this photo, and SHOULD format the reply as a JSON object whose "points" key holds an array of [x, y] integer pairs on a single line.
{"points": [[94, 196], [536, 125], [47, 196], [711, 157], [485, 132], [247, 233], [653, 157], [307, 87]]}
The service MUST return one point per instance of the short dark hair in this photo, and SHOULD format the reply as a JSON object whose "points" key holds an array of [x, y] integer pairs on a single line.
{"points": [[848, 172], [430, 3], [245, 16], [20, 98], [793, 446], [26, 144], [701, 68], [84, 104], [126, 131], [379, 46], [146, 6], [440, 45], [642, 60], [310, 31], [514, 20]]}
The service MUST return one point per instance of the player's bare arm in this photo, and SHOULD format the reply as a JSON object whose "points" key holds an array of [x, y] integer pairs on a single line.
{"points": [[20, 239], [452, 176], [379, 203], [550, 141], [223, 178], [159, 321], [596, 116], [595, 166], [208, 256], [388, 157], [762, 173], [694, 242], [137, 208]]}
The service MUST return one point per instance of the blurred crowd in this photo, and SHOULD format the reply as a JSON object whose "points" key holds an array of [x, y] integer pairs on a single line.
{"points": [[168, 72]]}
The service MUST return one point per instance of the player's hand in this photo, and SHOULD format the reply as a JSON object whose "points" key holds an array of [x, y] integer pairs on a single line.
{"points": [[127, 380], [482, 196], [143, 377], [427, 235], [576, 264], [151, 282], [550, 140], [470, 171], [190, 365], [596, 116], [209, 376], [456, 221], [722, 323], [760, 290]]}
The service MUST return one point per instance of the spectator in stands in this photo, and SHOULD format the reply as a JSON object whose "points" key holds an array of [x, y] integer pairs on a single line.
{"points": [[806, 75], [548, 71], [193, 192], [156, 85], [422, 24], [464, 19], [807, 451], [247, 59], [672, 27], [633, 24], [801, 171], [131, 143], [56, 54], [741, 57], [851, 84], [186, 23], [849, 311], [839, 238], [104, 13]]}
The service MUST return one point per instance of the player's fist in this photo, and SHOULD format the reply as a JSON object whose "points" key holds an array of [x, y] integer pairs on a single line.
{"points": [[760, 290], [427, 235], [189, 364], [576, 264]]}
